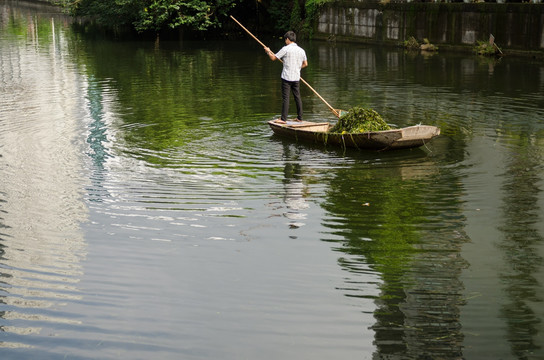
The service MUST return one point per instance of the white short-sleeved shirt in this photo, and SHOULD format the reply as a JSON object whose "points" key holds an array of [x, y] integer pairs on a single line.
{"points": [[292, 56]]}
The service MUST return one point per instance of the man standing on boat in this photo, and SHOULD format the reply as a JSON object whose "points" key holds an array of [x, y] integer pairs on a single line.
{"points": [[294, 59]]}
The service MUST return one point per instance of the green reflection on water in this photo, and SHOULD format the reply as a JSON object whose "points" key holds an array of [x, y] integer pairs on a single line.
{"points": [[175, 95], [520, 244], [388, 217]]}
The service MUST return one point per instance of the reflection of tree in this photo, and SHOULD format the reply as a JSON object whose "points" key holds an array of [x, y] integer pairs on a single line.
{"points": [[386, 218], [520, 245], [21, 22], [97, 137], [97, 128], [170, 95], [424, 283]]}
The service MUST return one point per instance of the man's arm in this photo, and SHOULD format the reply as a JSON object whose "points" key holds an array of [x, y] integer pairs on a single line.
{"points": [[270, 54], [304, 64]]}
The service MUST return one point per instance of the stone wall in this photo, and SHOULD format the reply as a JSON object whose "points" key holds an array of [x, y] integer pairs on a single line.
{"points": [[517, 27]]}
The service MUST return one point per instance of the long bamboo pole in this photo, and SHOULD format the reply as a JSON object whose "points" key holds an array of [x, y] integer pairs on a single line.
{"points": [[335, 112]]}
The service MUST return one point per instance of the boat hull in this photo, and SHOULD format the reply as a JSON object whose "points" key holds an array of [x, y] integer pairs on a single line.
{"points": [[408, 137]]}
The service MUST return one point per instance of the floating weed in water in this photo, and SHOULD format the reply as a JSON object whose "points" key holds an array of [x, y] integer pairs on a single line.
{"points": [[359, 120]]}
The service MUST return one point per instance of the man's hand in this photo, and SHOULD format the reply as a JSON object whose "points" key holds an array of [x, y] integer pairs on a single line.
{"points": [[269, 52]]}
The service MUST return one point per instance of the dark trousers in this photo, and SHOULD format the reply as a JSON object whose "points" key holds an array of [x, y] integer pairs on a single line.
{"points": [[286, 88]]}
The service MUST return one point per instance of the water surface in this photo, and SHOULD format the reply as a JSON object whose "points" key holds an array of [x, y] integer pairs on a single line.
{"points": [[146, 210]]}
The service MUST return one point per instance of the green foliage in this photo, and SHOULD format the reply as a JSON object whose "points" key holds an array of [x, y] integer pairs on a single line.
{"points": [[197, 14], [359, 120], [145, 15], [156, 15], [312, 8], [296, 17], [280, 14], [486, 49], [411, 43], [114, 13]]}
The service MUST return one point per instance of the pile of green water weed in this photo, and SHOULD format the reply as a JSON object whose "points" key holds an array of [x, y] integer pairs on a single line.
{"points": [[359, 120]]}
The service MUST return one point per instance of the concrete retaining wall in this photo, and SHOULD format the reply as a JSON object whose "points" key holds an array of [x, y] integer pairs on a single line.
{"points": [[517, 27]]}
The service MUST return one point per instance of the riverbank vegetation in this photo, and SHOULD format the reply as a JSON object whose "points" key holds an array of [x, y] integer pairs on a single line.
{"points": [[195, 16], [413, 44], [487, 49], [154, 15]]}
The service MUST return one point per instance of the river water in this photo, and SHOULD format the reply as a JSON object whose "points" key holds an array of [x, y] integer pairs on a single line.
{"points": [[147, 211]]}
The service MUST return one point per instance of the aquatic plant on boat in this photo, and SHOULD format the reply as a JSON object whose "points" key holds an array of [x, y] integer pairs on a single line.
{"points": [[359, 120]]}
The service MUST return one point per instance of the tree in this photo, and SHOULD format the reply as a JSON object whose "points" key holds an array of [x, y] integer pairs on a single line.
{"points": [[197, 14], [152, 15]]}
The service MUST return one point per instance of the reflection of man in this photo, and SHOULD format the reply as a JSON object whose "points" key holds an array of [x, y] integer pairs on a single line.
{"points": [[295, 193], [294, 59]]}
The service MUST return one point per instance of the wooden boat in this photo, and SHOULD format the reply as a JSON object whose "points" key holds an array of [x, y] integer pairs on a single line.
{"points": [[408, 137]]}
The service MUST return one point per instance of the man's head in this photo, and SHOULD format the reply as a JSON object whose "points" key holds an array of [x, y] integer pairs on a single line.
{"points": [[291, 36]]}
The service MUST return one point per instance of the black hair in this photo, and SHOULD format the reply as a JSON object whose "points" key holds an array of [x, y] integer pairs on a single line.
{"points": [[291, 36]]}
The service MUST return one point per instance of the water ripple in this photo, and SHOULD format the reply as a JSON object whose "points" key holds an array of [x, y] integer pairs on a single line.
{"points": [[41, 198]]}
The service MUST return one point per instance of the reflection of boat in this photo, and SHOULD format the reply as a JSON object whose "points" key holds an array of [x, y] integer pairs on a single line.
{"points": [[408, 137]]}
